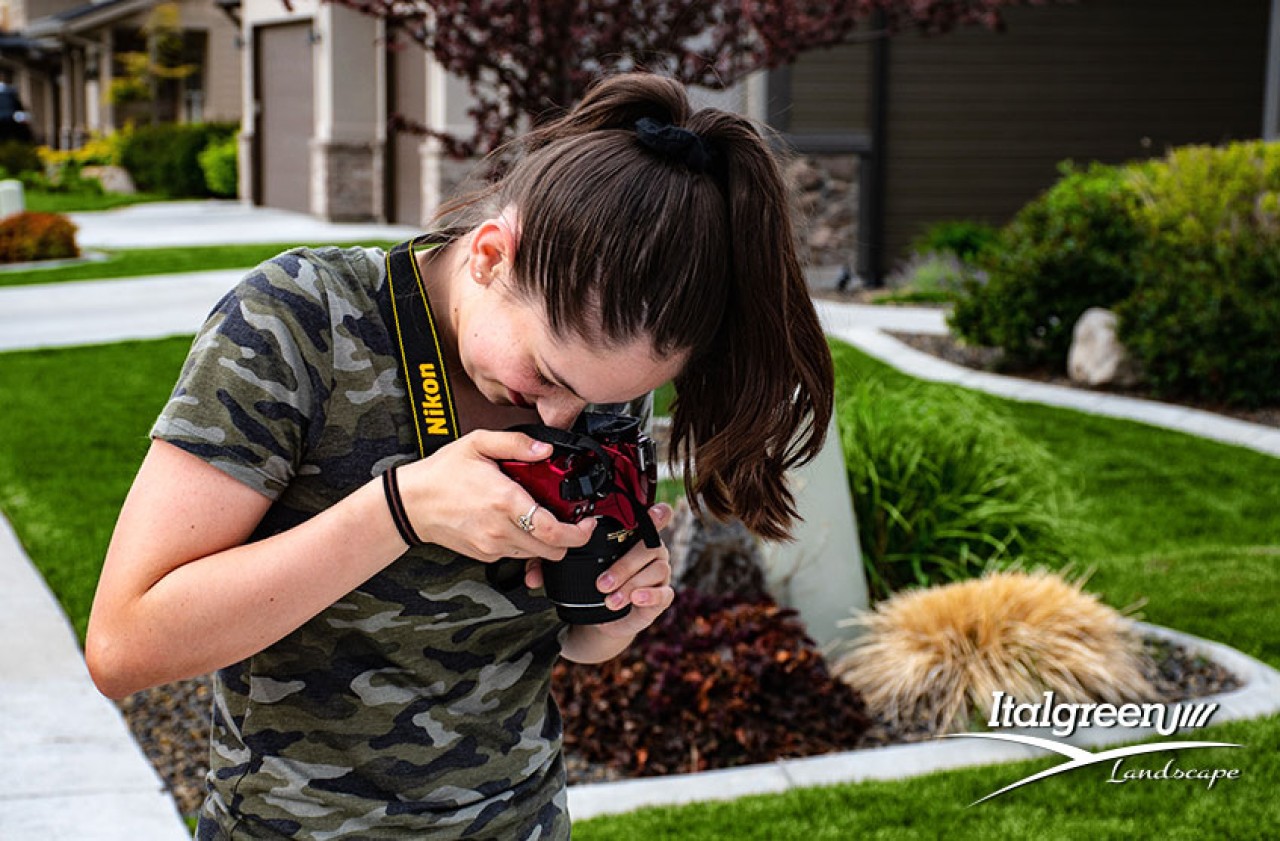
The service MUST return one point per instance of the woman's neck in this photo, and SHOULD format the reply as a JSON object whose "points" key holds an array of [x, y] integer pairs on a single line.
{"points": [[442, 270]]}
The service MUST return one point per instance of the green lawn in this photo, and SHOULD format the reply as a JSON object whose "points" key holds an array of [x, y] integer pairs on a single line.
{"points": [[1074, 806], [138, 262], [1187, 524], [52, 202]]}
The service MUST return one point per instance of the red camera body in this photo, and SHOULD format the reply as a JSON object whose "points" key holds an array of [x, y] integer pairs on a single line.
{"points": [[604, 468]]}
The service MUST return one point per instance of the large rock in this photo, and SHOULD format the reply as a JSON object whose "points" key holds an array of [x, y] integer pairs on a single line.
{"points": [[1097, 357], [717, 558], [114, 179]]}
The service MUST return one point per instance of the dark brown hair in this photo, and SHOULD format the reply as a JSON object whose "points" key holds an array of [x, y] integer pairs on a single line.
{"points": [[620, 241]]}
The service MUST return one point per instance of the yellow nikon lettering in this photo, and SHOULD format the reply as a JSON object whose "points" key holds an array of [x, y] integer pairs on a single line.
{"points": [[433, 413]]}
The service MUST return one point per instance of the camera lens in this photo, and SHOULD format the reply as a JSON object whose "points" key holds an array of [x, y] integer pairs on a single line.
{"points": [[571, 582]]}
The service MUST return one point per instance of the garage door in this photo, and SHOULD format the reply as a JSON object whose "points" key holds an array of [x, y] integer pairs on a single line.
{"points": [[286, 115], [407, 75]]}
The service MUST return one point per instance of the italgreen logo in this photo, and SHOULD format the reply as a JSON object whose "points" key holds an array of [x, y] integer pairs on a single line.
{"points": [[1065, 719]]}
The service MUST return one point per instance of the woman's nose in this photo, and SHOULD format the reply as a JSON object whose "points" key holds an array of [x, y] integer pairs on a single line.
{"points": [[560, 411]]}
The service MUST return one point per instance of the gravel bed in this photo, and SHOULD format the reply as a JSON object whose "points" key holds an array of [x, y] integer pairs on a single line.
{"points": [[171, 722]]}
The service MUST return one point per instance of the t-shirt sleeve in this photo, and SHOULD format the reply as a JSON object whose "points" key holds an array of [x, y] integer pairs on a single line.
{"points": [[257, 378]]}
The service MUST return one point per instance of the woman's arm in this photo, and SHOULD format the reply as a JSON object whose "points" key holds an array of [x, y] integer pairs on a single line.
{"points": [[181, 594]]}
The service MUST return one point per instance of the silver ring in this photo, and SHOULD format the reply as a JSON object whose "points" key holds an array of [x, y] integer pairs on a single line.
{"points": [[525, 521]]}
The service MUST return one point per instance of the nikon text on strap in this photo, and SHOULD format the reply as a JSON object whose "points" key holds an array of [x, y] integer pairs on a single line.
{"points": [[422, 363]]}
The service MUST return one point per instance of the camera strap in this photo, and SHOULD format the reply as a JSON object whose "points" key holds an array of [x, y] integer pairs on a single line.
{"points": [[435, 419]]}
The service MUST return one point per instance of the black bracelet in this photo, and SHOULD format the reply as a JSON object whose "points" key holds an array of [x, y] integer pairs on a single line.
{"points": [[398, 514]]}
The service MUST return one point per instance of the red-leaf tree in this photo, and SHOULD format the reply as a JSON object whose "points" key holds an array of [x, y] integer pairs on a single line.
{"points": [[528, 58]]}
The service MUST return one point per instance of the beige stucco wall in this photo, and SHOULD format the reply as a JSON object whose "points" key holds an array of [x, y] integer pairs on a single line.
{"points": [[222, 59]]}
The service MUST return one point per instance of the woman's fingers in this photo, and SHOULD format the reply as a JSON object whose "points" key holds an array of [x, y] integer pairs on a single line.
{"points": [[640, 576], [459, 498]]}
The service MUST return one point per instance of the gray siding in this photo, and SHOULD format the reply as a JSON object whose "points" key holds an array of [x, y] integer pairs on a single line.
{"points": [[979, 120]]}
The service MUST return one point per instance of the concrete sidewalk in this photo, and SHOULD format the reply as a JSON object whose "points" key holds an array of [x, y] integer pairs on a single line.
{"points": [[71, 769], [227, 222]]}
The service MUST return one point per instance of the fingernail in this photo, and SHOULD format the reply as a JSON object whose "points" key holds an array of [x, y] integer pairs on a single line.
{"points": [[641, 598], [617, 600], [660, 510], [606, 583], [541, 448]]}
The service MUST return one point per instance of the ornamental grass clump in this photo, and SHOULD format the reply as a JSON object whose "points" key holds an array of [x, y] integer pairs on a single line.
{"points": [[934, 658]]}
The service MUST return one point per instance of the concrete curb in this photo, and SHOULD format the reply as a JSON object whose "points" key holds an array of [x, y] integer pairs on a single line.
{"points": [[1259, 696], [1202, 424]]}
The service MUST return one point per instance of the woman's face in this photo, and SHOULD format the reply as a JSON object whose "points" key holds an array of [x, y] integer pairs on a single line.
{"points": [[512, 356]]}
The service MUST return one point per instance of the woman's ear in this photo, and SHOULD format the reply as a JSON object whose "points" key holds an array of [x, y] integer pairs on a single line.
{"points": [[493, 247]]}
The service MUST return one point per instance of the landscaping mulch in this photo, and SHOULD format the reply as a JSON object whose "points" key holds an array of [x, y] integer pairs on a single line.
{"points": [[171, 722]]}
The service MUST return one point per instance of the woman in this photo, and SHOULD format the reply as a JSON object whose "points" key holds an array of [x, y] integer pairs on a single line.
{"points": [[284, 533]]}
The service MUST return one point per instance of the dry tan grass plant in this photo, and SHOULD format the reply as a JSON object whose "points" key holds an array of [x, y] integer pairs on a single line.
{"points": [[934, 657]]}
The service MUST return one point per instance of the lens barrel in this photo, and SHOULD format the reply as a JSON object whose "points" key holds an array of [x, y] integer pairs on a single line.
{"points": [[571, 582]]}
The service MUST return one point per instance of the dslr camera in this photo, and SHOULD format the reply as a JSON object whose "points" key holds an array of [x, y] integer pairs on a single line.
{"points": [[604, 467]]}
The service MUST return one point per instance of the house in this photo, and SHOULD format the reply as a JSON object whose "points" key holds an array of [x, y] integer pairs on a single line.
{"points": [[62, 55], [320, 87], [897, 132]]}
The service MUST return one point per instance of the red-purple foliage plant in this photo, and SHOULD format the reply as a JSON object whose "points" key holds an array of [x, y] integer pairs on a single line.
{"points": [[715, 683]]}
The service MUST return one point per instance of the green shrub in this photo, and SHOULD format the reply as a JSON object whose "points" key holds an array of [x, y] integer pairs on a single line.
{"points": [[1204, 317], [931, 276], [36, 236], [219, 164], [962, 238], [165, 158], [944, 487], [1065, 252], [17, 158]]}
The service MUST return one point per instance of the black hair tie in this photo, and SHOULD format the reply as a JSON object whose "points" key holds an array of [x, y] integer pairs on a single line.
{"points": [[676, 143]]}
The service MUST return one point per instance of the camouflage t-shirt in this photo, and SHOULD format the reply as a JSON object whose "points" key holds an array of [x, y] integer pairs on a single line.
{"points": [[416, 706]]}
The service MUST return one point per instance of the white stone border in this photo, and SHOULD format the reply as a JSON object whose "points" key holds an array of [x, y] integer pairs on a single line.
{"points": [[871, 340], [1258, 695]]}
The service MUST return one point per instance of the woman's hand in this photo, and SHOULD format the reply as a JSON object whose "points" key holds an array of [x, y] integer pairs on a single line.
{"points": [[640, 578], [459, 498]]}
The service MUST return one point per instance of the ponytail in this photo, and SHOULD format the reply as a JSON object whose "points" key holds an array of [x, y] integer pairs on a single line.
{"points": [[619, 239], [759, 404]]}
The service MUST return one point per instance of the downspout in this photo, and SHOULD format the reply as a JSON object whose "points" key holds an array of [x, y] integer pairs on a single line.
{"points": [[871, 187], [1271, 97]]}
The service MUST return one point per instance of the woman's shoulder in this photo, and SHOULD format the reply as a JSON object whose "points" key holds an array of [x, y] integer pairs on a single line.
{"points": [[320, 271], [312, 286]]}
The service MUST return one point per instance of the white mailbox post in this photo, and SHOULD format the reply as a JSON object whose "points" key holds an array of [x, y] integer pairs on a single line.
{"points": [[12, 199]]}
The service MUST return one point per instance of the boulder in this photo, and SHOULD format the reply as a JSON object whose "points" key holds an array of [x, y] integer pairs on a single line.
{"points": [[1097, 357], [114, 179], [717, 558]]}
